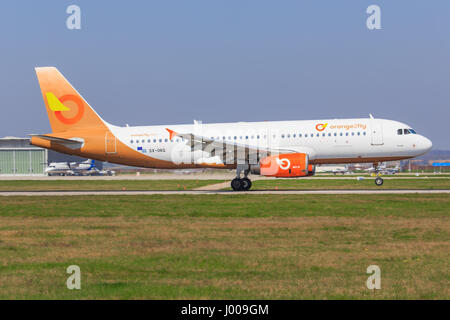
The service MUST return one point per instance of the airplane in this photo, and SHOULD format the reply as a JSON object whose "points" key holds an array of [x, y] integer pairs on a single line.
{"points": [[72, 168], [333, 169], [340, 170], [288, 149], [394, 170], [383, 169]]}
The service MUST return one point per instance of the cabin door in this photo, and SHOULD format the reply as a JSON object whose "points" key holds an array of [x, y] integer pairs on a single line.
{"points": [[110, 143], [376, 131]]}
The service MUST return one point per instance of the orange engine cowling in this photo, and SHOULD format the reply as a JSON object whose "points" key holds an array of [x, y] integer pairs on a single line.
{"points": [[311, 170], [286, 165]]}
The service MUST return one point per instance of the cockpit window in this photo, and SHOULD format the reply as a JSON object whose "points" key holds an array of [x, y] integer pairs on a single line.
{"points": [[406, 131]]}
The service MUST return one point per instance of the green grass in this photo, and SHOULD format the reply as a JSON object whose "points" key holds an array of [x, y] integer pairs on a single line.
{"points": [[367, 183], [267, 184], [225, 247], [386, 205], [103, 185]]}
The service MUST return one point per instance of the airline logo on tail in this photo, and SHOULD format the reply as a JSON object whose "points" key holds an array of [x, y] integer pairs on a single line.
{"points": [[58, 107]]}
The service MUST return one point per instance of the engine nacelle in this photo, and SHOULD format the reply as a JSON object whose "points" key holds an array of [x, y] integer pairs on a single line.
{"points": [[311, 170], [286, 165]]}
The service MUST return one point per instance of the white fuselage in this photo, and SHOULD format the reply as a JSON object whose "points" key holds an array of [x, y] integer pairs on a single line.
{"points": [[325, 141]]}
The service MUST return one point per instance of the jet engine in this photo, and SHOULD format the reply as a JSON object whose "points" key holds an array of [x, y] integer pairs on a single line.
{"points": [[287, 165]]}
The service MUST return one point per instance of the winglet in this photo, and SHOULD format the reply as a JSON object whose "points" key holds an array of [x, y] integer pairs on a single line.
{"points": [[171, 133]]}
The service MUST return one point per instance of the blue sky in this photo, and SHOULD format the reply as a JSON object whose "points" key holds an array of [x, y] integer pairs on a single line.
{"points": [[169, 62]]}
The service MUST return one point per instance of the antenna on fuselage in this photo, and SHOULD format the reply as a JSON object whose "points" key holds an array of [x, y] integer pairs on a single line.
{"points": [[371, 116]]}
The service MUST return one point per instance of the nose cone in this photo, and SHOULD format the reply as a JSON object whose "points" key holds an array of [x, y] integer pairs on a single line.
{"points": [[428, 144], [424, 145]]}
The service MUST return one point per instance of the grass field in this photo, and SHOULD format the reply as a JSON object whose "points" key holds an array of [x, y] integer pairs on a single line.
{"points": [[368, 183], [299, 184], [71, 185], [235, 247]]}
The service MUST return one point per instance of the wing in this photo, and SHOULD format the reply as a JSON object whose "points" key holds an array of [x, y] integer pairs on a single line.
{"points": [[227, 152]]}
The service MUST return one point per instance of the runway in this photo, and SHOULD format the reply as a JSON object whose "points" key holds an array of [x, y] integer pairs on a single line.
{"points": [[217, 192], [228, 176]]}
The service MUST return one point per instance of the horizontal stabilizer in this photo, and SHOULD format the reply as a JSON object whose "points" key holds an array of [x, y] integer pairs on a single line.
{"points": [[56, 139]]}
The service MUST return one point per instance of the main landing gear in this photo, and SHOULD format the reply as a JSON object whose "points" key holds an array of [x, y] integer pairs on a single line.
{"points": [[241, 184], [238, 184]]}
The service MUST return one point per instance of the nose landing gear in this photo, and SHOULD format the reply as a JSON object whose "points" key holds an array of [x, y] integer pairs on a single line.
{"points": [[378, 180]]}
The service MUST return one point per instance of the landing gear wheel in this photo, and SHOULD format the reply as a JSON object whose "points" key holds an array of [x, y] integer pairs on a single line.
{"points": [[379, 181], [246, 184], [237, 184]]}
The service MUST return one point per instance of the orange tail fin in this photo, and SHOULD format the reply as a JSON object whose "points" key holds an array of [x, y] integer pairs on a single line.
{"points": [[66, 108]]}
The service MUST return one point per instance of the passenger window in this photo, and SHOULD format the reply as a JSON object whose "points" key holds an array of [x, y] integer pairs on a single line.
{"points": [[131, 141], [306, 135]]}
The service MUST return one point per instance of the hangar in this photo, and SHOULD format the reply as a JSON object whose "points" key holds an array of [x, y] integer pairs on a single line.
{"points": [[19, 157]]}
